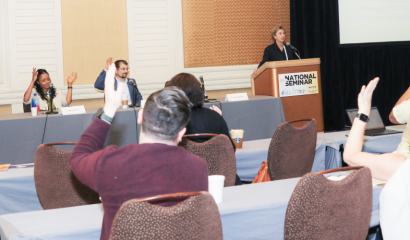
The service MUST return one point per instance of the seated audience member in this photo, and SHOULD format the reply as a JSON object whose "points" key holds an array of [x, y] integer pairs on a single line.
{"points": [[203, 120], [41, 84], [121, 72], [400, 115], [394, 198], [155, 166]]}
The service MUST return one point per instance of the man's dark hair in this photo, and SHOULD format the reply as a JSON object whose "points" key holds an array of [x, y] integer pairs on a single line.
{"points": [[117, 63], [191, 86], [166, 112], [37, 86]]}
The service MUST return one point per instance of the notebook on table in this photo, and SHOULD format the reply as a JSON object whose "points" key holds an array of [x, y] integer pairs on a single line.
{"points": [[375, 126]]}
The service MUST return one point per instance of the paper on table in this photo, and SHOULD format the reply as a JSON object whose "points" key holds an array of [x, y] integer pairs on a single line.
{"points": [[375, 182], [337, 178]]}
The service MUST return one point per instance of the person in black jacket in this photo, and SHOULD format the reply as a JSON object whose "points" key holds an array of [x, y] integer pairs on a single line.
{"points": [[203, 120], [278, 51]]}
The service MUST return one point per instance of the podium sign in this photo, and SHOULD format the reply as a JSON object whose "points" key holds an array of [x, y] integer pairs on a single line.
{"points": [[297, 83], [294, 84]]}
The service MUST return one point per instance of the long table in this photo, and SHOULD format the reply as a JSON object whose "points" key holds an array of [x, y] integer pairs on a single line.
{"points": [[19, 182], [22, 133], [376, 144], [254, 211]]}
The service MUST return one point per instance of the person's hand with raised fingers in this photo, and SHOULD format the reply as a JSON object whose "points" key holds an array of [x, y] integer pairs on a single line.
{"points": [[255, 71], [216, 109], [35, 73], [71, 78], [112, 96], [364, 100], [108, 63]]}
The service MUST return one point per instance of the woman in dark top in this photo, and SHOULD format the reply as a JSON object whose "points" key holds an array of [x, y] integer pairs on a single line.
{"points": [[278, 51], [203, 120]]}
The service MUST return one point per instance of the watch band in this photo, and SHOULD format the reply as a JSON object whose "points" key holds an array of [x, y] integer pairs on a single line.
{"points": [[362, 117], [101, 115]]}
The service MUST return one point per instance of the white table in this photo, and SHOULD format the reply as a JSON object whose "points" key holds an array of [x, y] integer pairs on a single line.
{"points": [[254, 211], [18, 191]]}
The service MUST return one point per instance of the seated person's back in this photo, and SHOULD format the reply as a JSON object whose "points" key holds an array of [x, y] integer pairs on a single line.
{"points": [[155, 166], [203, 120]]}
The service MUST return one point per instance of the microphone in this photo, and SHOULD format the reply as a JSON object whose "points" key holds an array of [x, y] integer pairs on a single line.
{"points": [[50, 89], [294, 49], [51, 95], [134, 86], [201, 79], [132, 83]]}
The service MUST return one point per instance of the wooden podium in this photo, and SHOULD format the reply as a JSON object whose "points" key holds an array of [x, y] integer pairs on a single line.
{"points": [[266, 82]]}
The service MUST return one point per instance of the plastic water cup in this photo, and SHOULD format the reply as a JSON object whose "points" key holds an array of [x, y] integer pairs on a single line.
{"points": [[237, 137], [34, 111], [142, 103], [124, 101], [216, 187]]}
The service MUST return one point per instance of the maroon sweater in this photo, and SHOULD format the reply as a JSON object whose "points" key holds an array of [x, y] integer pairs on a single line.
{"points": [[133, 171]]}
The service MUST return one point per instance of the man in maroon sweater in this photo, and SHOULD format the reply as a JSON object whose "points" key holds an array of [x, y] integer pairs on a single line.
{"points": [[155, 166]]}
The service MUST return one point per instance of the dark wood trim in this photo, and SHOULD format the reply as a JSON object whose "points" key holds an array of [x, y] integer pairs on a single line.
{"points": [[167, 196], [201, 134], [59, 143], [339, 169]]}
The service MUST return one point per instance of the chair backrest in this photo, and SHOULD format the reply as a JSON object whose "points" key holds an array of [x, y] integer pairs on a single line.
{"points": [[196, 217], [324, 209], [292, 150], [56, 185], [26, 107], [218, 154]]}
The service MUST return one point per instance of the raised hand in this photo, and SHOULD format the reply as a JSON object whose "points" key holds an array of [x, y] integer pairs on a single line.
{"points": [[71, 78], [216, 109], [364, 100], [108, 63], [35, 73], [112, 97]]}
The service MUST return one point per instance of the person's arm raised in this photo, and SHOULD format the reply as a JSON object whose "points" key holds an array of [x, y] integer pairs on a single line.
{"points": [[382, 166], [112, 96], [89, 149], [27, 94], [70, 81]]}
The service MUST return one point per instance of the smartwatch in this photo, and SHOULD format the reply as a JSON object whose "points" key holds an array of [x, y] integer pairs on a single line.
{"points": [[362, 117], [101, 115]]}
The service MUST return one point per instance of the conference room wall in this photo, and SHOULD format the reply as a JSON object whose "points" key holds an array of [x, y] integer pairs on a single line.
{"points": [[56, 36], [216, 33], [5, 109], [93, 30]]}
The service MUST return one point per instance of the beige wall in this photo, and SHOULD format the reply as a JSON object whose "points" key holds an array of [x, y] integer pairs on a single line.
{"points": [[89, 103], [228, 32], [93, 30], [5, 109]]}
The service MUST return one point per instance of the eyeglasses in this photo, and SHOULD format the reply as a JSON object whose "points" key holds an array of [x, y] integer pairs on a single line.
{"points": [[124, 69]]}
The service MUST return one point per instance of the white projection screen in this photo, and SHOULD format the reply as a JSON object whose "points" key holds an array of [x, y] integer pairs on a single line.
{"points": [[374, 21]]}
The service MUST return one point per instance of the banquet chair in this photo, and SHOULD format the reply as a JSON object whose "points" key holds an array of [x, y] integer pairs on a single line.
{"points": [[217, 152], [195, 217], [56, 185], [320, 208], [292, 149], [26, 108]]}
